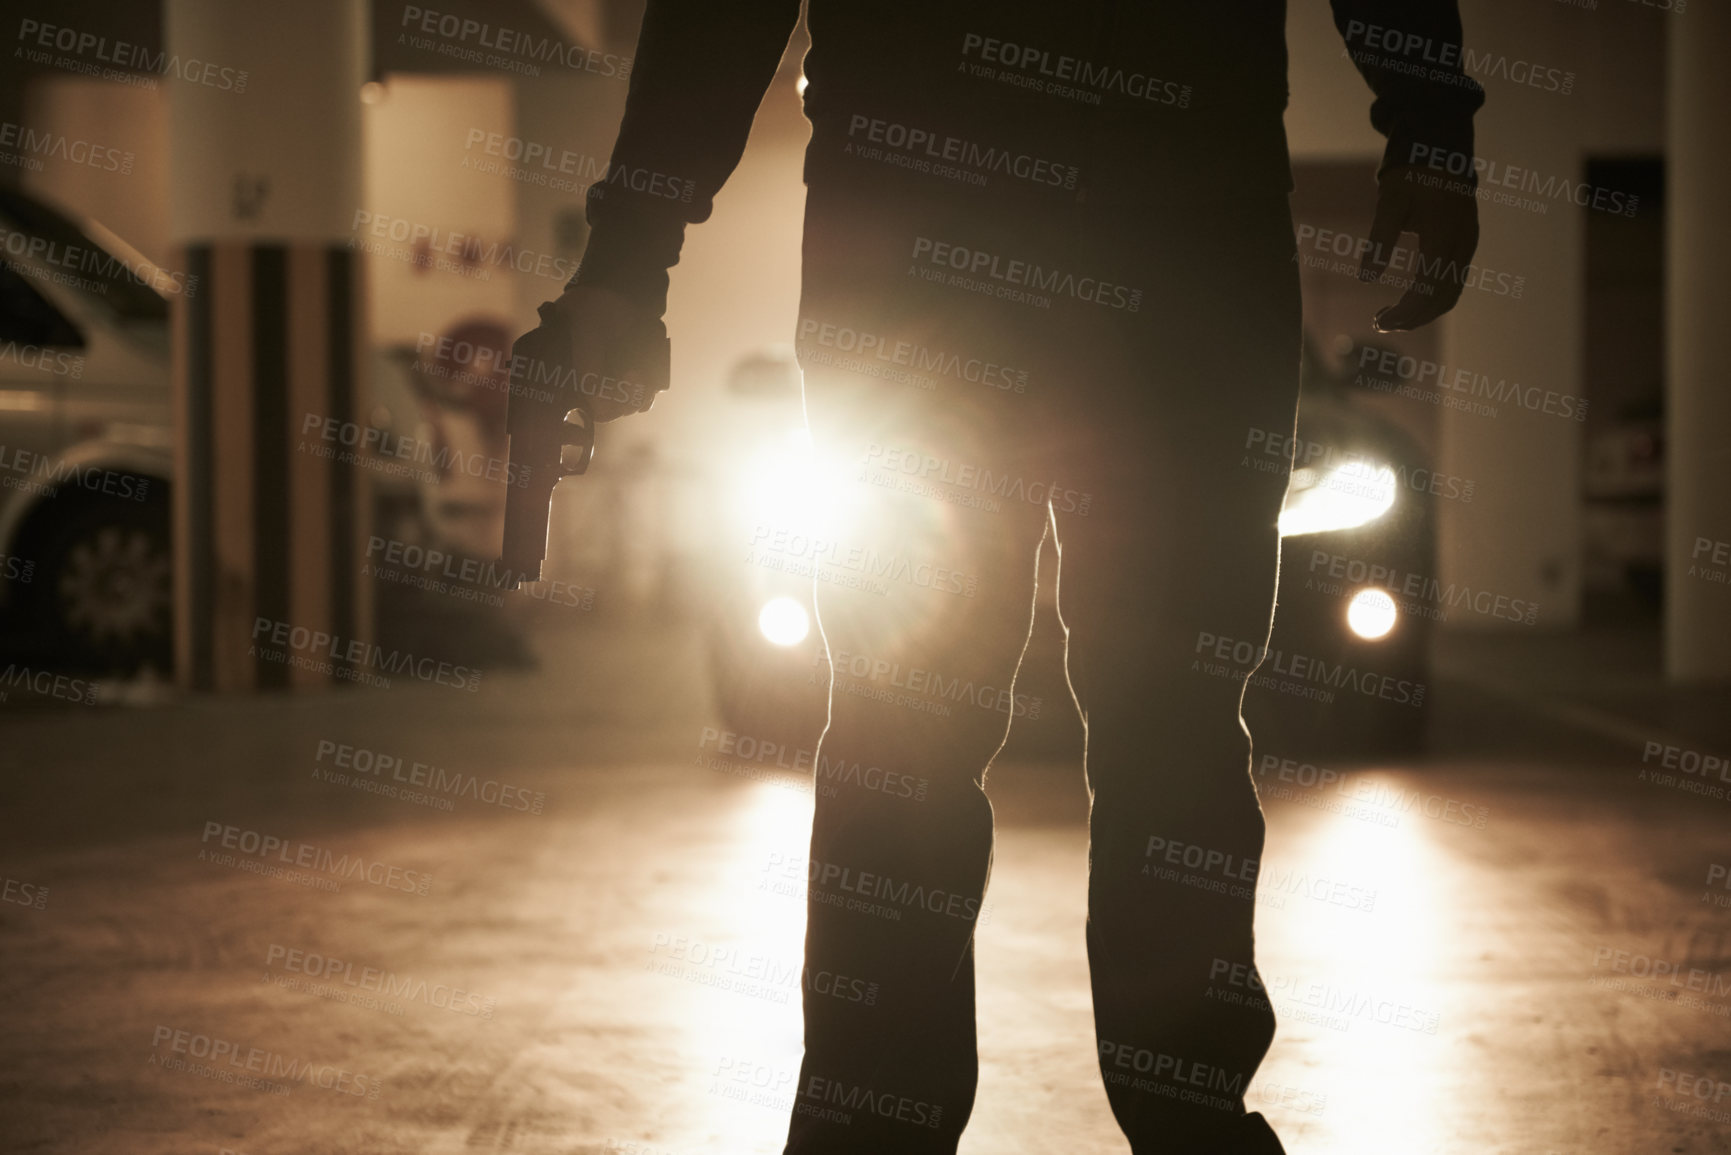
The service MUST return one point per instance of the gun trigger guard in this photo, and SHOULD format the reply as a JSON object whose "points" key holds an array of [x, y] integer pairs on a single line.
{"points": [[578, 436]]}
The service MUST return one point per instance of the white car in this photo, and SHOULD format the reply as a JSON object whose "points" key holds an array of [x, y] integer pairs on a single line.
{"points": [[87, 443]]}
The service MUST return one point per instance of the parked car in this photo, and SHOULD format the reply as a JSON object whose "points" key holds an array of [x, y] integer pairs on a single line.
{"points": [[1348, 670], [87, 443], [86, 426]]}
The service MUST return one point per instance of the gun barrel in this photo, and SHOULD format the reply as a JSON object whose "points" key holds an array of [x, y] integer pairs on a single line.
{"points": [[526, 514]]}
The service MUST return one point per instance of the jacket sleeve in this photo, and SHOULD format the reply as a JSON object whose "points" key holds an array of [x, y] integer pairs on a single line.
{"points": [[1411, 55], [701, 69]]}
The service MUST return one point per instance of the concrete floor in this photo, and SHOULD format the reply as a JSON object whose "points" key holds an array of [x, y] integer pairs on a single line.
{"points": [[628, 963]]}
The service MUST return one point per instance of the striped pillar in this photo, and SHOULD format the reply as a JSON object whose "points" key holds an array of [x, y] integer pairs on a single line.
{"points": [[265, 526], [270, 521]]}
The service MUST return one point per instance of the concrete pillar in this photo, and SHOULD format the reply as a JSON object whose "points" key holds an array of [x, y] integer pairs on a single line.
{"points": [[1520, 535], [264, 137], [1698, 341]]}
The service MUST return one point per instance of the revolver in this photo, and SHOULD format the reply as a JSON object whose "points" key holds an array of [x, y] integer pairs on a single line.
{"points": [[550, 432]]}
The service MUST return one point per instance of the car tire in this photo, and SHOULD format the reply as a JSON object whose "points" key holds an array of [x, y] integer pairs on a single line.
{"points": [[104, 587]]}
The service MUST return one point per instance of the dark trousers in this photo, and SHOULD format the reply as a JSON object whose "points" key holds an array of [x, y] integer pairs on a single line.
{"points": [[979, 381]]}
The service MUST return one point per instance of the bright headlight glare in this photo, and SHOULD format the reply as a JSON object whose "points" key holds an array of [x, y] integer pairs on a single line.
{"points": [[787, 485], [1372, 613], [1342, 497], [783, 621]]}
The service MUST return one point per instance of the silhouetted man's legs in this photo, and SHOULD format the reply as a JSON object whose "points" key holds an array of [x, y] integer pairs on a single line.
{"points": [[1179, 551], [957, 409], [925, 603]]}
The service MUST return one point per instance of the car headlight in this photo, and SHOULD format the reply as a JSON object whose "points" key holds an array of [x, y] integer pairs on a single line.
{"points": [[1371, 613], [783, 621], [1339, 497]]}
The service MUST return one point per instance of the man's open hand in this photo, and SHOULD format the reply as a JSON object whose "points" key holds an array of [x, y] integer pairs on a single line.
{"points": [[603, 330], [1444, 214]]}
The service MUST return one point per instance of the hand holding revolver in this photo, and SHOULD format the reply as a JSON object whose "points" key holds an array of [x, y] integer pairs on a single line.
{"points": [[595, 357]]}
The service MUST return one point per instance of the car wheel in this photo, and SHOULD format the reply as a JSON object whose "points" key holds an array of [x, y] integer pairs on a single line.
{"points": [[105, 589]]}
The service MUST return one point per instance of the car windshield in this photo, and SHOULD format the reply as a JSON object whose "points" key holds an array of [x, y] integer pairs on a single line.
{"points": [[92, 269]]}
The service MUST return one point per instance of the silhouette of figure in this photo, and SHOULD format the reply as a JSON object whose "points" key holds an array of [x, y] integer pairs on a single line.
{"points": [[1050, 276]]}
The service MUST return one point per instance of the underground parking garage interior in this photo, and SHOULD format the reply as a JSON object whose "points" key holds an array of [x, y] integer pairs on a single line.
{"points": [[664, 578]]}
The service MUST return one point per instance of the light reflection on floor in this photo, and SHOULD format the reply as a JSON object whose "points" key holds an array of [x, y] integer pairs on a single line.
{"points": [[1355, 957], [747, 1038], [643, 940]]}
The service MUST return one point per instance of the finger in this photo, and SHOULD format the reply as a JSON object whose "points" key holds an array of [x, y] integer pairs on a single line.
{"points": [[1393, 202], [1447, 241], [1434, 292]]}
